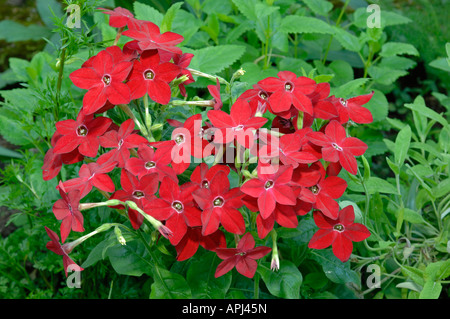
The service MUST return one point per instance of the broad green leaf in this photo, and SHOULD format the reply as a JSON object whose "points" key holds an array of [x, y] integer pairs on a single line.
{"points": [[130, 259], [247, 8], [396, 48], [442, 189], [145, 12], [284, 283], [263, 10], [412, 216], [385, 76], [169, 285], [200, 277], [334, 269], [48, 9], [374, 185], [440, 63], [414, 273], [186, 24], [347, 90], [12, 31], [388, 18], [409, 285], [378, 106], [346, 39], [431, 290], [298, 24], [402, 143], [166, 23], [343, 72], [320, 7], [213, 60]]}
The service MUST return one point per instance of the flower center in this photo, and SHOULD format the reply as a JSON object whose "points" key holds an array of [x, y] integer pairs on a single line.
{"points": [[218, 201], [343, 102], [336, 147], [268, 184], [179, 139], [315, 189], [149, 75], [106, 79], [205, 184], [238, 128], [177, 206], [241, 254], [338, 227], [149, 165], [262, 95], [288, 86], [82, 130], [120, 143], [138, 194]]}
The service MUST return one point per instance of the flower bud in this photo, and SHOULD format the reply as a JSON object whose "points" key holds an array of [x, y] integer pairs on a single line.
{"points": [[119, 236]]}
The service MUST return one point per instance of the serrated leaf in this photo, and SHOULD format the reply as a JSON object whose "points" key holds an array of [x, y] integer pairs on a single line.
{"points": [[166, 23], [213, 60], [247, 8], [320, 7], [348, 88], [336, 270], [298, 24], [346, 39], [385, 76], [147, 13], [396, 48]]}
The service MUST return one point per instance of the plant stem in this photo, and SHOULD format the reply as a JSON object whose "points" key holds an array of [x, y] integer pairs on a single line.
{"points": [[338, 21]]}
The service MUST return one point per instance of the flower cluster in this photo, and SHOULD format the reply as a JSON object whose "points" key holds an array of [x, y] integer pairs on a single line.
{"points": [[287, 167]]}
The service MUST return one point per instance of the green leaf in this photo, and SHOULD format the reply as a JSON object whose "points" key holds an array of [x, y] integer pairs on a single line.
{"points": [[130, 259], [166, 23], [348, 88], [419, 106], [213, 60], [12, 31], [378, 106], [284, 283], [247, 8], [374, 185], [319, 7], [298, 24], [396, 48], [48, 9], [203, 284], [384, 75], [4, 152], [147, 13], [431, 290], [402, 143], [441, 63], [169, 285], [346, 39], [334, 269]]}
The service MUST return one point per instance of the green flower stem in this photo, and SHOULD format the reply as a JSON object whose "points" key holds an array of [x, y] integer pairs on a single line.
{"points": [[203, 103], [208, 76], [142, 128]]}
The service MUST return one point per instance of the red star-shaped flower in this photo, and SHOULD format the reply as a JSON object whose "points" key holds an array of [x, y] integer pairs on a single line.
{"points": [[289, 90], [150, 37], [119, 17], [66, 209], [352, 109], [62, 250], [339, 233], [193, 238], [220, 205], [104, 81], [243, 257], [152, 77], [82, 133], [337, 147], [238, 125]]}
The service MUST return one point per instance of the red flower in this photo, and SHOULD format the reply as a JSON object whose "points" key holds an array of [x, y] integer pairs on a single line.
{"points": [[53, 162], [339, 233], [150, 161], [93, 174], [214, 90], [243, 257], [61, 250], [236, 125], [140, 191], [337, 147], [220, 205], [284, 215], [152, 77], [285, 126], [256, 95], [82, 134], [193, 238], [352, 109], [271, 189], [203, 175], [323, 108], [288, 90], [121, 140], [176, 206], [66, 209], [104, 81], [187, 140], [119, 17], [149, 36], [183, 62], [323, 194]]}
